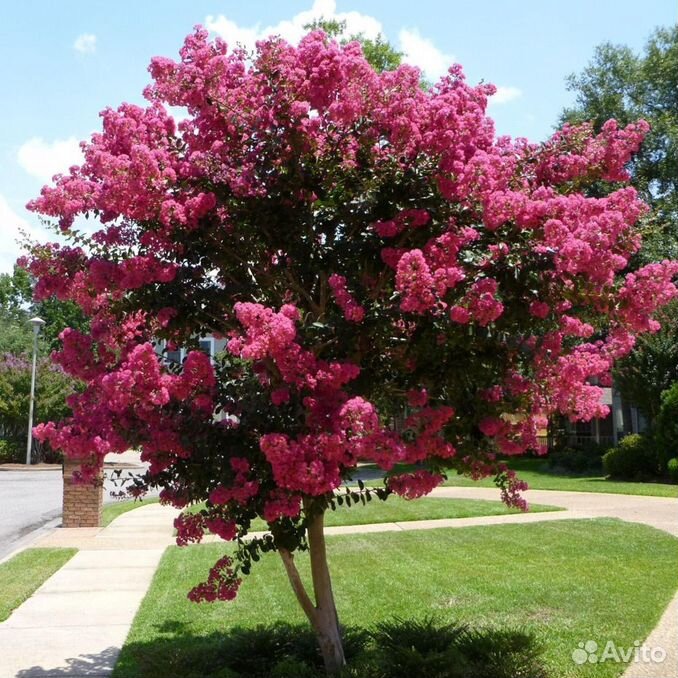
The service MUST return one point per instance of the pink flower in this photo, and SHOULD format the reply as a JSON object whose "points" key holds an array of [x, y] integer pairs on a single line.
{"points": [[539, 309], [490, 426], [414, 485]]}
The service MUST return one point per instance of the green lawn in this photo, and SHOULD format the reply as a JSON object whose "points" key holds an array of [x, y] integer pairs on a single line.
{"points": [[21, 575], [400, 510], [568, 581], [111, 511], [538, 476]]}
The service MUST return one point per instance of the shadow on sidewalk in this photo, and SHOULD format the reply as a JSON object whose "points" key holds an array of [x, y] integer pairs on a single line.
{"points": [[89, 665]]}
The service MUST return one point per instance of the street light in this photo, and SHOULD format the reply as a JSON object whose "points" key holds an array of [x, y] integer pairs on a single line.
{"points": [[37, 324]]}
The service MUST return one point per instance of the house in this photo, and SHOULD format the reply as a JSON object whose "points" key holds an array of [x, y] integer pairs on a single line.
{"points": [[623, 419]]}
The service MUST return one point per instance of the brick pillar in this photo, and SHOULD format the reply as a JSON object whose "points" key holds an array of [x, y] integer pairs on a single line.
{"points": [[82, 503]]}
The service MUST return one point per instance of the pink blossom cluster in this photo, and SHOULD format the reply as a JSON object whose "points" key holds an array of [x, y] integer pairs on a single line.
{"points": [[221, 584], [281, 504], [241, 488], [414, 485], [353, 311]]}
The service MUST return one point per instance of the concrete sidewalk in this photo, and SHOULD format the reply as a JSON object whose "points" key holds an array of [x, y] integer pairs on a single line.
{"points": [[76, 622]]}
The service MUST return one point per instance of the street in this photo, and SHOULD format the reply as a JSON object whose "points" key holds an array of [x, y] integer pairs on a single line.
{"points": [[28, 500]]}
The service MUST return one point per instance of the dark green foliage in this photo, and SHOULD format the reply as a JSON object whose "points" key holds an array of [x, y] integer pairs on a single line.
{"points": [[52, 389], [583, 459], [632, 459], [672, 469], [428, 648], [666, 426], [652, 366], [10, 451], [394, 649]]}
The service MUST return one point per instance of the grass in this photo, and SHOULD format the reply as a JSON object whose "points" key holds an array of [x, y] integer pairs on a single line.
{"points": [[21, 575], [567, 581], [400, 510], [111, 511], [538, 476]]}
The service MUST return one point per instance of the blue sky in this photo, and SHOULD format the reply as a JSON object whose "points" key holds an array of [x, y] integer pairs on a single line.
{"points": [[62, 62]]}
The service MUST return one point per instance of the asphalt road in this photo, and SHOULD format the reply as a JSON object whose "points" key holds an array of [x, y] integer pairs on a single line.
{"points": [[28, 500]]}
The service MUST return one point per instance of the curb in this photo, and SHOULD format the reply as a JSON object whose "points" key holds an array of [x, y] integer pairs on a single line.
{"points": [[25, 542], [29, 468]]}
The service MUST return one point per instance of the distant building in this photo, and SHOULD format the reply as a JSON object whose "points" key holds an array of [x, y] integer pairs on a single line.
{"points": [[622, 420]]}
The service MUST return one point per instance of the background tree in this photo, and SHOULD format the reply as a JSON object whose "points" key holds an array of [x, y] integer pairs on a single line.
{"points": [[652, 367], [53, 387], [372, 254], [16, 309], [16, 335], [626, 86]]}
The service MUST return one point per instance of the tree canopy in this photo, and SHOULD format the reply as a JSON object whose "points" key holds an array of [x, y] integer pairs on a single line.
{"points": [[396, 285]]}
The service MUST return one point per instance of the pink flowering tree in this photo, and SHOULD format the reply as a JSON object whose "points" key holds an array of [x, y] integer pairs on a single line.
{"points": [[397, 286]]}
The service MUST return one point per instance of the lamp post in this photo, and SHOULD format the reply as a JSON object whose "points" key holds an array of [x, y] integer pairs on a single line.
{"points": [[37, 324]]}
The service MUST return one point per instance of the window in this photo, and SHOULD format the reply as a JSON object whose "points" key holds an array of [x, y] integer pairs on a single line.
{"points": [[207, 346], [173, 357]]}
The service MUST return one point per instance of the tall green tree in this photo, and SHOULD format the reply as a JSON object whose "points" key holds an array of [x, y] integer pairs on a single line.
{"points": [[652, 367], [621, 84], [17, 307], [15, 295]]}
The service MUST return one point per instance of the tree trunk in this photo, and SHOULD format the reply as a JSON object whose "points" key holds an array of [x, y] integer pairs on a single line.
{"points": [[323, 613]]}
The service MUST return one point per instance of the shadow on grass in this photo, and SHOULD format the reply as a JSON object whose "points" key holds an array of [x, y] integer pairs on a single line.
{"points": [[389, 650]]}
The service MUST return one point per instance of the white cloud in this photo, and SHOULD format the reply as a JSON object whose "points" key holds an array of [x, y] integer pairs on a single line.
{"points": [[43, 159], [417, 50], [505, 94], [292, 29], [421, 52], [86, 43], [12, 229]]}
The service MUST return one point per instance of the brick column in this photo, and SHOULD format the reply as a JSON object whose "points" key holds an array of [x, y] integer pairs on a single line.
{"points": [[82, 503]]}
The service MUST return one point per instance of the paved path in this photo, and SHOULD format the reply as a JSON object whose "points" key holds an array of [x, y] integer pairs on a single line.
{"points": [[76, 623], [659, 512]]}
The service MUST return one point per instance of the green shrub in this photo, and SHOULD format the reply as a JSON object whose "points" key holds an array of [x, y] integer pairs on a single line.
{"points": [[393, 649], [632, 459], [53, 386], [672, 468], [10, 452], [584, 458], [666, 426], [429, 648]]}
